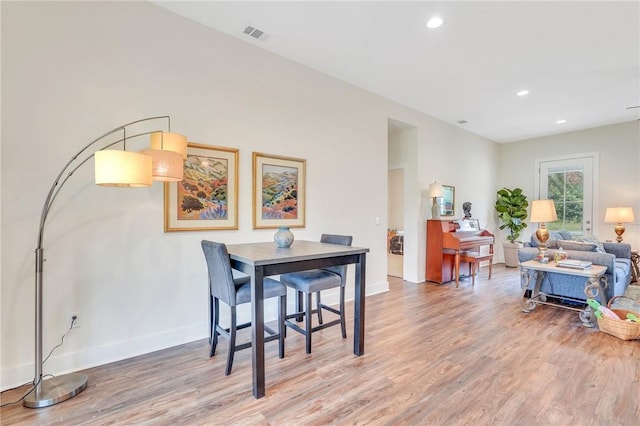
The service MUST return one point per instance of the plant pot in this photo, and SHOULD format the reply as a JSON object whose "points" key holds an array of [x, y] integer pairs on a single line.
{"points": [[511, 254]]}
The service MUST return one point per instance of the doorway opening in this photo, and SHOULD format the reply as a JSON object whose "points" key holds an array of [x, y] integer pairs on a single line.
{"points": [[569, 182], [403, 207], [395, 231]]}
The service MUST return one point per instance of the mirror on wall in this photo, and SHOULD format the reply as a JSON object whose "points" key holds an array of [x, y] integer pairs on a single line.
{"points": [[447, 206]]}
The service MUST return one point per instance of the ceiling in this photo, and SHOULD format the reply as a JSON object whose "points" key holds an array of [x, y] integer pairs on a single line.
{"points": [[580, 61]]}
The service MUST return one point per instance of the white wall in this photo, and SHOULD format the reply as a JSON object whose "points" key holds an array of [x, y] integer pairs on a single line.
{"points": [[618, 147], [395, 210], [74, 70]]}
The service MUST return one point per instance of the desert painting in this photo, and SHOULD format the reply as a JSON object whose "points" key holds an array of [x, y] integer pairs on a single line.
{"points": [[279, 192], [202, 195]]}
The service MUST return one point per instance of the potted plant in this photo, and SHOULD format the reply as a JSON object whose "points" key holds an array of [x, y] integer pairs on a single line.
{"points": [[511, 206]]}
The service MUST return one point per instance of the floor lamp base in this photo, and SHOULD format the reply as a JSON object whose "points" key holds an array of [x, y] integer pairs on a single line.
{"points": [[57, 389]]}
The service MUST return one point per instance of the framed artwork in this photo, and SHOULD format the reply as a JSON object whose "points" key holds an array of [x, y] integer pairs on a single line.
{"points": [[447, 207], [207, 198], [278, 191]]}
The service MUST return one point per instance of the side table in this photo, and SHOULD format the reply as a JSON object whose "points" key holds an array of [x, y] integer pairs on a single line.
{"points": [[594, 287], [635, 266]]}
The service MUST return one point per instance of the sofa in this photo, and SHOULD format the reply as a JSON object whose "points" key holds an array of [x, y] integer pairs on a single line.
{"points": [[615, 256]]}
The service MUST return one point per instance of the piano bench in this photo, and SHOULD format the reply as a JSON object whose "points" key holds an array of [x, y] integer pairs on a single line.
{"points": [[473, 258]]}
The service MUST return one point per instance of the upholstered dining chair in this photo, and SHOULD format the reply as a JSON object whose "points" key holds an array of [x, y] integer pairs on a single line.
{"points": [[315, 281], [234, 288]]}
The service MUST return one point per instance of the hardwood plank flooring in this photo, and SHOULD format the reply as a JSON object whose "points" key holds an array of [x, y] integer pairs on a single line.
{"points": [[434, 355]]}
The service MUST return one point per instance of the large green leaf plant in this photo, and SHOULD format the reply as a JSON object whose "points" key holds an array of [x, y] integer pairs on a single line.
{"points": [[511, 206]]}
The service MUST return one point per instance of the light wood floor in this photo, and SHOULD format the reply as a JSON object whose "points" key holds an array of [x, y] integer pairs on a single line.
{"points": [[434, 355]]}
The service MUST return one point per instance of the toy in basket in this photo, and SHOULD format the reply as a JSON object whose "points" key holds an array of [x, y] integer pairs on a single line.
{"points": [[620, 323]]}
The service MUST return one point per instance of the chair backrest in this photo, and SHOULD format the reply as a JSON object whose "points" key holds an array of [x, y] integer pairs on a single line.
{"points": [[220, 275], [344, 240]]}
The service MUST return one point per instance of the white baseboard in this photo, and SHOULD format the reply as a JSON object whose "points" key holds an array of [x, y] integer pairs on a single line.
{"points": [[117, 351], [100, 355]]}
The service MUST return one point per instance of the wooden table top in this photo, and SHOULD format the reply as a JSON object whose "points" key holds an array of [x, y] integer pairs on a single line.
{"points": [[591, 271], [267, 253]]}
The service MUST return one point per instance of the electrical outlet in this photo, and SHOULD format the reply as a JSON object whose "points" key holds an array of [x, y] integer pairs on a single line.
{"points": [[76, 323]]}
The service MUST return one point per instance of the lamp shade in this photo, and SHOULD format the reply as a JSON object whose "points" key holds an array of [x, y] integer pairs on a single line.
{"points": [[543, 211], [435, 190], [169, 142], [166, 166], [619, 215], [122, 168]]}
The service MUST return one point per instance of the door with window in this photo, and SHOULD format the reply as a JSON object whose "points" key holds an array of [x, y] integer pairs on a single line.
{"points": [[569, 182]]}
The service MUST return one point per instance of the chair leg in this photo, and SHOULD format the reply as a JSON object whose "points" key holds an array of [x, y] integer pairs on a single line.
{"points": [[473, 266], [215, 315], [282, 312], [232, 341], [343, 325], [308, 322], [211, 328], [490, 265], [299, 305], [318, 302]]}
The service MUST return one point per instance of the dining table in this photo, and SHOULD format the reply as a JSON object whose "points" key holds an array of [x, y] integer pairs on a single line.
{"points": [[263, 259]]}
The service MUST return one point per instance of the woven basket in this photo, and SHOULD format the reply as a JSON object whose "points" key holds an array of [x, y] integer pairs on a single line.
{"points": [[625, 330]]}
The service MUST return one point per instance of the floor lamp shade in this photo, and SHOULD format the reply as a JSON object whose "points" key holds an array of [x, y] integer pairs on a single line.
{"points": [[122, 169], [167, 141], [166, 166]]}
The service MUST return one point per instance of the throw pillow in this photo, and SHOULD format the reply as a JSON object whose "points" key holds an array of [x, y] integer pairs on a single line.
{"points": [[565, 235], [593, 240], [576, 245]]}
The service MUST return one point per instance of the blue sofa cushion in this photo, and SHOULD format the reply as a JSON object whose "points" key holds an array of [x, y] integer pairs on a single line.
{"points": [[594, 240], [576, 245]]}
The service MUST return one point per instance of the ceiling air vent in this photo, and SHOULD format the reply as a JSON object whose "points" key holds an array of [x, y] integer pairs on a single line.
{"points": [[255, 33]]}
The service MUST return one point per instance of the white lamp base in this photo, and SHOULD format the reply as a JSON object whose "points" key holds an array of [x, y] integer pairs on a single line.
{"points": [[435, 209]]}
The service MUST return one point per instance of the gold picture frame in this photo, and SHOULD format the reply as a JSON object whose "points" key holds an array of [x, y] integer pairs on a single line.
{"points": [[279, 194], [207, 198], [448, 204]]}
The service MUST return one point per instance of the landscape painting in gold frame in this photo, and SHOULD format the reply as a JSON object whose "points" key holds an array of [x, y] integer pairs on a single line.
{"points": [[278, 191], [207, 198]]}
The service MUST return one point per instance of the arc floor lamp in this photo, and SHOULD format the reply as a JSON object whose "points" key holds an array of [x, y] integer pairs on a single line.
{"points": [[163, 161]]}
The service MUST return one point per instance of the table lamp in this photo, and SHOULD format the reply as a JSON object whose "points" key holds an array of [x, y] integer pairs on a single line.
{"points": [[435, 191], [619, 215], [543, 211]]}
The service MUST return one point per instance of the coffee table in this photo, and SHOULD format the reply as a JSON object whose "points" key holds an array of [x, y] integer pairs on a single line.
{"points": [[594, 287]]}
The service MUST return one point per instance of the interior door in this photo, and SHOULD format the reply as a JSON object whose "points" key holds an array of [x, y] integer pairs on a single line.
{"points": [[569, 182]]}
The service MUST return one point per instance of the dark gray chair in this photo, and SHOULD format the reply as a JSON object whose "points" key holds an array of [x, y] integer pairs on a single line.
{"points": [[314, 281], [234, 288]]}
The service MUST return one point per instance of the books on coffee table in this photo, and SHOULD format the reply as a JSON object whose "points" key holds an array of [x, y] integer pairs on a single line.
{"points": [[575, 264]]}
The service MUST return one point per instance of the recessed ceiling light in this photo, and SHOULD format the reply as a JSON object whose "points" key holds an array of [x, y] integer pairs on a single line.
{"points": [[561, 121], [434, 22], [523, 93]]}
